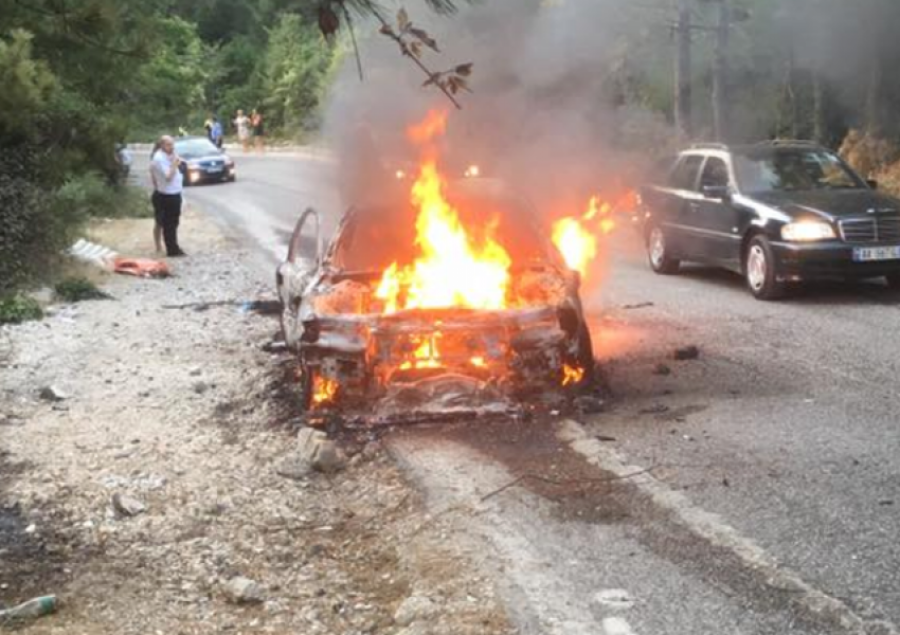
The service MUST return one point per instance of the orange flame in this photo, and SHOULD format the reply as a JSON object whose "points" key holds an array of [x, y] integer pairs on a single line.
{"points": [[572, 375], [434, 125], [576, 241], [324, 390], [452, 269], [426, 355]]}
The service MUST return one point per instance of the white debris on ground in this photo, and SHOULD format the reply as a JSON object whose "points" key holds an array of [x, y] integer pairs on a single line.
{"points": [[149, 505]]}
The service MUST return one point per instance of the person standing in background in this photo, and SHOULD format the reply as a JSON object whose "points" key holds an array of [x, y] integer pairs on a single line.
{"points": [[216, 134], [259, 132], [154, 200], [208, 126], [168, 186], [242, 123]]}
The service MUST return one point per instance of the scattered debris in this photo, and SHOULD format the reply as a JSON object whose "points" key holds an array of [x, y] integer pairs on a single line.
{"points": [[726, 482], [886, 503], [241, 590], [52, 393], [641, 305], [686, 353], [662, 370], [414, 609], [200, 387], [126, 506], [31, 609], [605, 439], [587, 404], [275, 347], [656, 409], [141, 267], [615, 598]]}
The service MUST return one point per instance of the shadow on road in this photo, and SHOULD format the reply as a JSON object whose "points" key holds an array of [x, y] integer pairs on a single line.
{"points": [[826, 293]]}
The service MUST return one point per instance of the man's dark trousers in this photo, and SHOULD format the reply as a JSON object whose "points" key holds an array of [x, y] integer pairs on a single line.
{"points": [[170, 208]]}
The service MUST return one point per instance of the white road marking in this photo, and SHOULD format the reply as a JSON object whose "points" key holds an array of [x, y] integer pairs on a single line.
{"points": [[616, 626], [713, 529]]}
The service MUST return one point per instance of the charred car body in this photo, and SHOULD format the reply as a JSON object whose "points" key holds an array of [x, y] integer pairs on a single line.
{"points": [[353, 348]]}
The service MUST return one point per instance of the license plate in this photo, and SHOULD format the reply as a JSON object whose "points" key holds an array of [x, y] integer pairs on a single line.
{"points": [[214, 169], [874, 254]]}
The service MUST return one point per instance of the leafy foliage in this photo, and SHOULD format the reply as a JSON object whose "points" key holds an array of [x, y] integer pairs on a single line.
{"points": [[77, 290], [16, 308]]}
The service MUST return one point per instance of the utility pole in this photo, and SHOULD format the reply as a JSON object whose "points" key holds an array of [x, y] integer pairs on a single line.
{"points": [[683, 71], [720, 72]]}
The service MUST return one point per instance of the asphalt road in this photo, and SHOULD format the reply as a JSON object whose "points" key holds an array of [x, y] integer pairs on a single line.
{"points": [[772, 504]]}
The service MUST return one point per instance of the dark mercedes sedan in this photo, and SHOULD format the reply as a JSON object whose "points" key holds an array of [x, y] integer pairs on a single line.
{"points": [[776, 212], [203, 161]]}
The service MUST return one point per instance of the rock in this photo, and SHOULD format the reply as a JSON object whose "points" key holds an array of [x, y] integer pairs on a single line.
{"points": [[126, 506], [687, 353], [318, 452], [662, 370], [52, 393], [293, 467], [200, 387], [196, 372], [413, 609], [42, 296], [330, 459], [587, 404], [241, 590]]}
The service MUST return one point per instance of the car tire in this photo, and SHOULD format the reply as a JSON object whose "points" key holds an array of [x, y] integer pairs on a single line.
{"points": [[760, 273], [586, 355], [893, 281], [658, 254]]}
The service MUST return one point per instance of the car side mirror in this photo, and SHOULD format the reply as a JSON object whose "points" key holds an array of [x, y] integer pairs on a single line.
{"points": [[872, 183], [717, 192]]}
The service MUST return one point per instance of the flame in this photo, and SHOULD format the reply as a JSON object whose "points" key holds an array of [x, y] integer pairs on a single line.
{"points": [[572, 375], [576, 237], [434, 125], [452, 268], [426, 355], [575, 243], [324, 390]]}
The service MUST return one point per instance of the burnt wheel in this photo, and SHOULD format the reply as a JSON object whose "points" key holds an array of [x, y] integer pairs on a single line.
{"points": [[661, 260], [760, 270]]}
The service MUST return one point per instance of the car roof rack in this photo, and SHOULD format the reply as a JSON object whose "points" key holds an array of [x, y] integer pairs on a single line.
{"points": [[709, 146]]}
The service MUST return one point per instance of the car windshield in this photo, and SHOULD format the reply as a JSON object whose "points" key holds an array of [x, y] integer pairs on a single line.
{"points": [[792, 170], [195, 148]]}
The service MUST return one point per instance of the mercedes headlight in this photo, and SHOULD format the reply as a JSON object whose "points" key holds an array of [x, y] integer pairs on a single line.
{"points": [[808, 231]]}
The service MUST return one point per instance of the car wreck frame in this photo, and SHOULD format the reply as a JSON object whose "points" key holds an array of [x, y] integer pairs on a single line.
{"points": [[354, 357]]}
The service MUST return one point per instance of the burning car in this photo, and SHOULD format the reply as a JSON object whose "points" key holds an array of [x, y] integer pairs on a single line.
{"points": [[462, 285]]}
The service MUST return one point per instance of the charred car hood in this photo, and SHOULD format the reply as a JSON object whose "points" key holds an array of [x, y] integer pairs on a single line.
{"points": [[832, 204]]}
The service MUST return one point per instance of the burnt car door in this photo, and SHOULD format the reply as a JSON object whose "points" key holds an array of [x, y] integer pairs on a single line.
{"points": [[298, 271], [717, 221]]}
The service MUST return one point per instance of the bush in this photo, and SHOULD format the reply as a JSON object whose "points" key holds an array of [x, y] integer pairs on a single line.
{"points": [[16, 308], [90, 196], [77, 290]]}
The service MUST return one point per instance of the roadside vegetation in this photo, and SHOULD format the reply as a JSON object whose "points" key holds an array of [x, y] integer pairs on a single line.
{"points": [[79, 77]]}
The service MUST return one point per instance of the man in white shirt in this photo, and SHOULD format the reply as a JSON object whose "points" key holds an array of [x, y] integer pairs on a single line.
{"points": [[168, 185]]}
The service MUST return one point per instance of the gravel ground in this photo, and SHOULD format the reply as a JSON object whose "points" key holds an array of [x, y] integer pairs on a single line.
{"points": [[181, 412]]}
